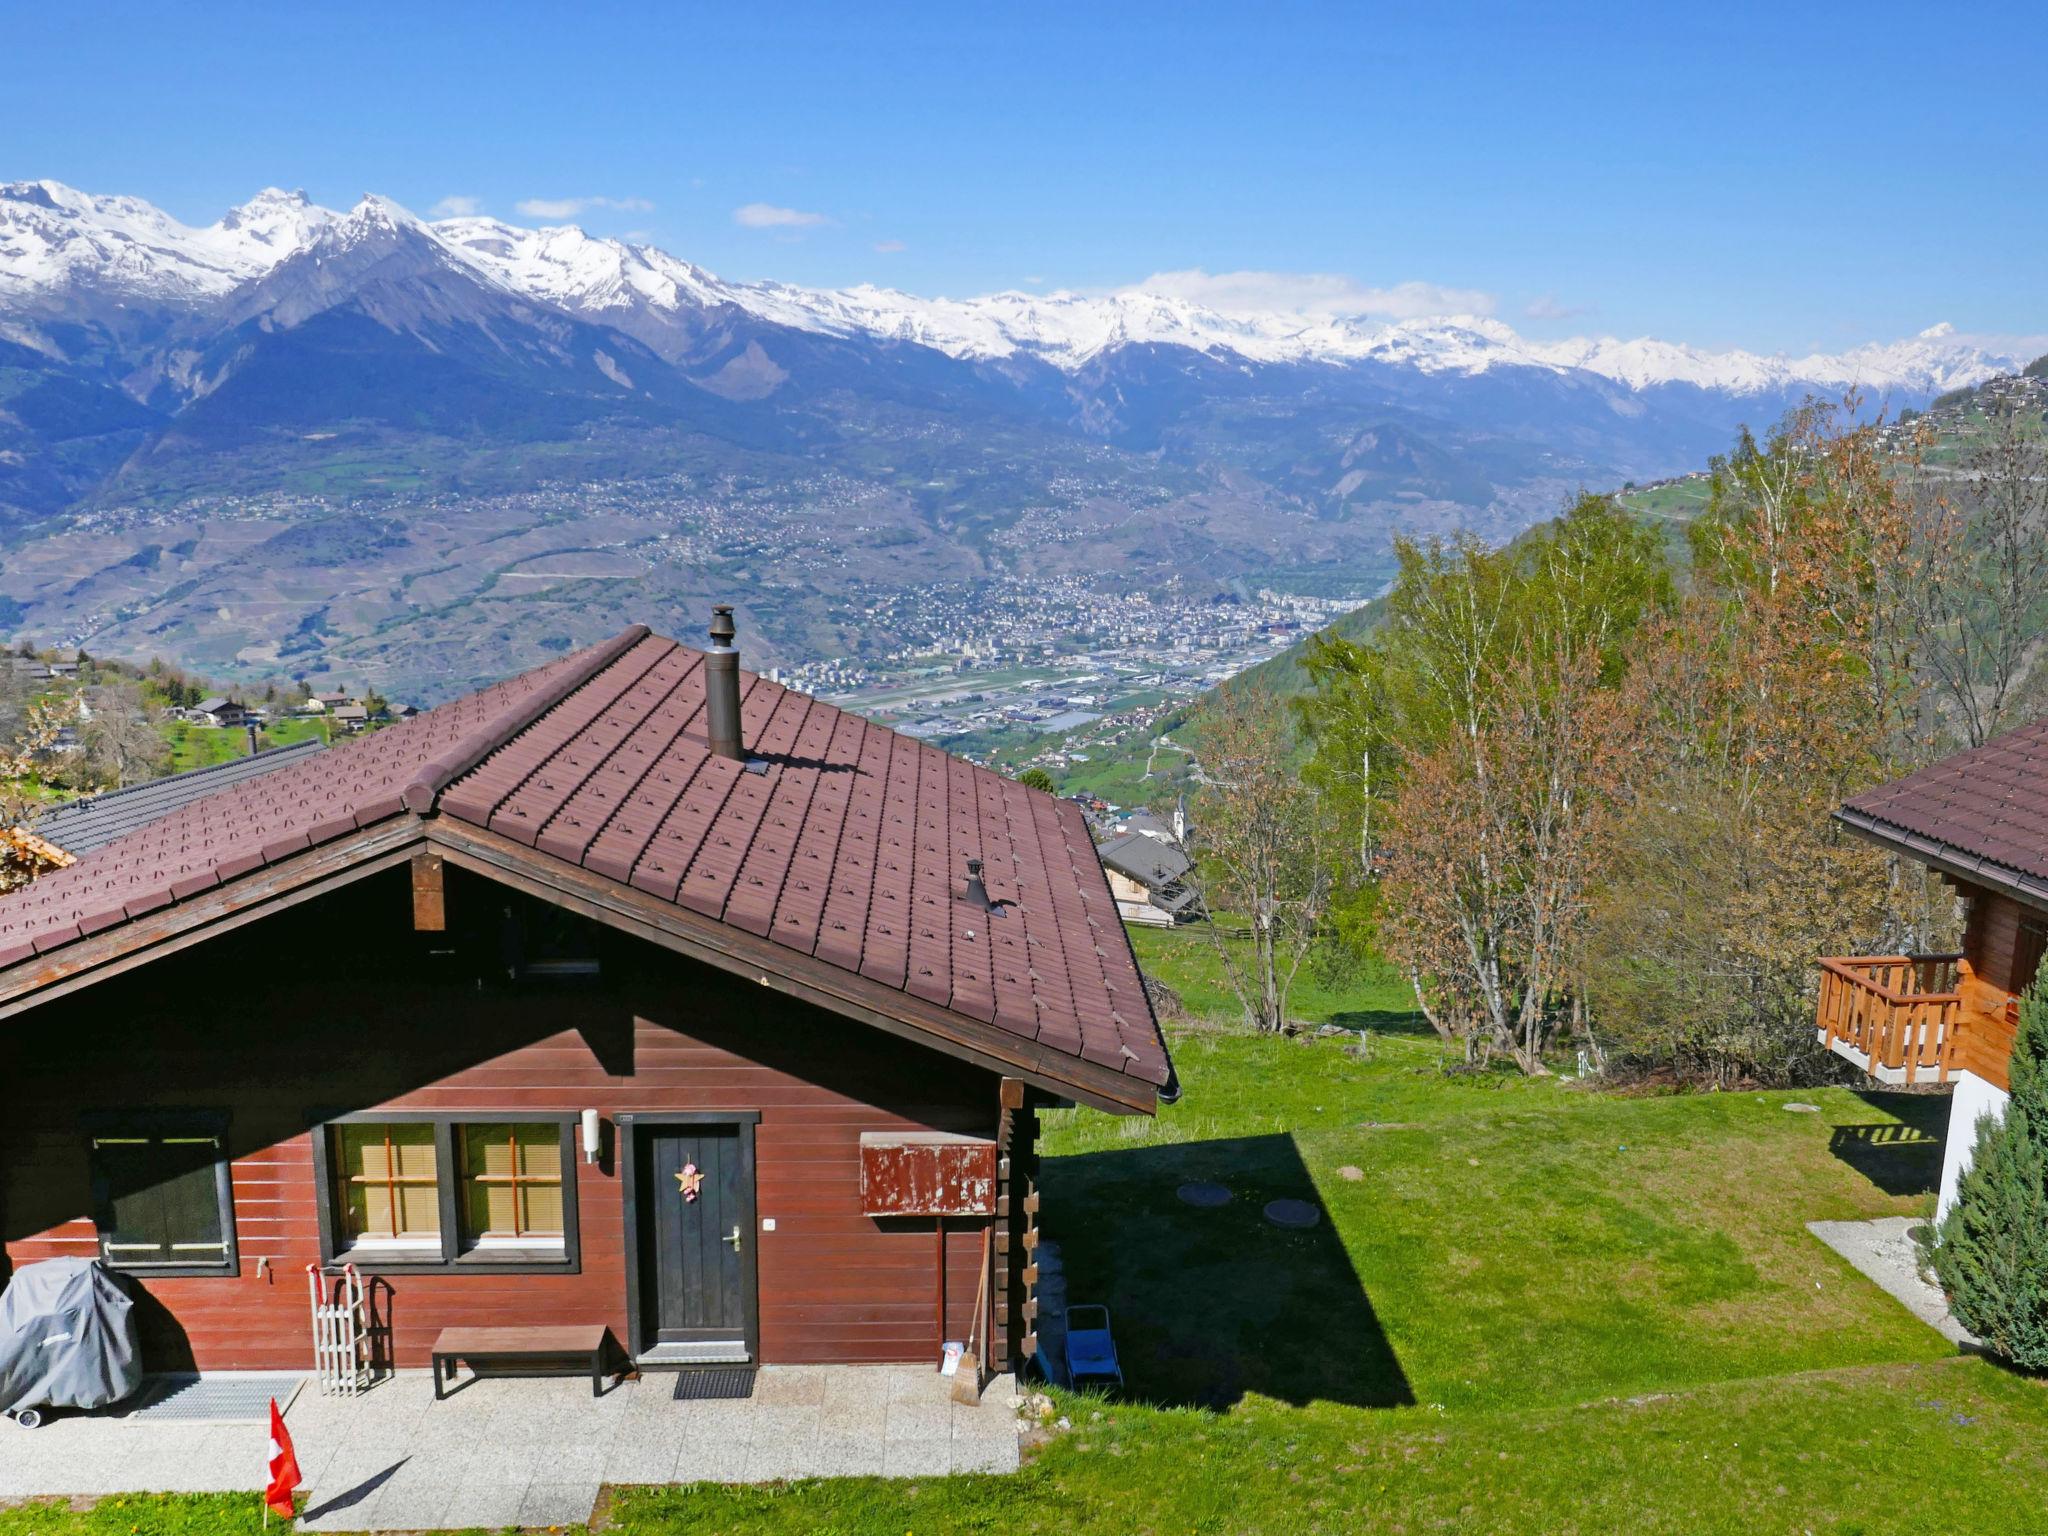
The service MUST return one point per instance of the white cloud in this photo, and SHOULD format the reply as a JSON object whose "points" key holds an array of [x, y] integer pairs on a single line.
{"points": [[1546, 307], [456, 206], [768, 216], [569, 207], [1314, 295], [890, 247]]}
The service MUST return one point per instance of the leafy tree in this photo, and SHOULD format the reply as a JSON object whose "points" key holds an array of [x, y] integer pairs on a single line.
{"points": [[1458, 748], [1993, 1255], [1787, 682], [1036, 778]]}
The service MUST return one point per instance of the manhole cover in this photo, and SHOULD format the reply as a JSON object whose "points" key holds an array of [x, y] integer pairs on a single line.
{"points": [[1205, 1195], [1293, 1213]]}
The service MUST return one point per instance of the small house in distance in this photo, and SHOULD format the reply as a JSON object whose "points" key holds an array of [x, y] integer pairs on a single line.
{"points": [[218, 711], [1147, 877], [1979, 819], [705, 1012]]}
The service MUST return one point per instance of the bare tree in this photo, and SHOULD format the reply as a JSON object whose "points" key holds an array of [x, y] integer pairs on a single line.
{"points": [[119, 736], [1980, 601], [1261, 845]]}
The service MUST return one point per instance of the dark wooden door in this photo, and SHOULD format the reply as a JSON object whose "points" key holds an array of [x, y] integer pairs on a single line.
{"points": [[698, 1283]]}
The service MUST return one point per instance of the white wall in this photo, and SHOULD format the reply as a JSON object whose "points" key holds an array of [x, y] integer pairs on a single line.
{"points": [[1974, 1098]]}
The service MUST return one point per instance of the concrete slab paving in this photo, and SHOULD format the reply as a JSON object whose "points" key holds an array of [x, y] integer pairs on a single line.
{"points": [[1884, 1250], [531, 1451]]}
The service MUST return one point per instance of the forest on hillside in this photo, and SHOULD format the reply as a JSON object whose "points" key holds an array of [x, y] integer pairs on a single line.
{"points": [[1579, 789]]}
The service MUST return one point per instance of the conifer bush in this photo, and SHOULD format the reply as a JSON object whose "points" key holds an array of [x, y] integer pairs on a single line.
{"points": [[1992, 1258]]}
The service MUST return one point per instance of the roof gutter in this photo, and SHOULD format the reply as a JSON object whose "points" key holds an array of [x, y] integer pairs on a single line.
{"points": [[1947, 858]]}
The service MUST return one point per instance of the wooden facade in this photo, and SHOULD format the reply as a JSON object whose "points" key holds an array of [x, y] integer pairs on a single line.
{"points": [[434, 1001], [1922, 1018]]}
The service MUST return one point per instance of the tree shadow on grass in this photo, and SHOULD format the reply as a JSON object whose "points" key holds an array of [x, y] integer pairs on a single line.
{"points": [[1902, 1155], [1212, 1304]]}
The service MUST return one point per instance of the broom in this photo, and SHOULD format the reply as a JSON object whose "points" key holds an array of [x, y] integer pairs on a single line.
{"points": [[967, 1381]]}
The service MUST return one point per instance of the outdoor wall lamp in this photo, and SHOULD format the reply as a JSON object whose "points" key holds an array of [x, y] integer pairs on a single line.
{"points": [[593, 1136]]}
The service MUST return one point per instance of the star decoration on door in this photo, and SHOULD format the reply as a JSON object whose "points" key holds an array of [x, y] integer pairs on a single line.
{"points": [[689, 1181]]}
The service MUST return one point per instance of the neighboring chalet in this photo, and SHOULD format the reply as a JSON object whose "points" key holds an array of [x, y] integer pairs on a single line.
{"points": [[1980, 820], [218, 711], [1146, 876], [683, 1004]]}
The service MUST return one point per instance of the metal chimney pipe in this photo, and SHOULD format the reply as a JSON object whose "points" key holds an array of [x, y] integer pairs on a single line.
{"points": [[722, 688]]}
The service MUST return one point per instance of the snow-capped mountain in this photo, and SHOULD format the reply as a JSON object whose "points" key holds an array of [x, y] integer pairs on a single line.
{"points": [[57, 244], [141, 357], [54, 240]]}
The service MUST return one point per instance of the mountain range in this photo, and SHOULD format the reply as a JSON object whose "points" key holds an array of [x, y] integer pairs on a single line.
{"points": [[304, 364]]}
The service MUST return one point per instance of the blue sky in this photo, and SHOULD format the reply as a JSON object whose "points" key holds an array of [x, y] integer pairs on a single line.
{"points": [[1780, 177]]}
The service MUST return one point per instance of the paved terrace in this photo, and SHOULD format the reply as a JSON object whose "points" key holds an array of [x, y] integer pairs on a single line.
{"points": [[531, 1451]]}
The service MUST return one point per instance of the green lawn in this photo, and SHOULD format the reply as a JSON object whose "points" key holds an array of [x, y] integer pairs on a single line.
{"points": [[198, 746], [1372, 996], [1531, 1307]]}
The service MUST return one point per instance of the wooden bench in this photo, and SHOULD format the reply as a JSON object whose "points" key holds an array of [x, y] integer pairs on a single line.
{"points": [[507, 1346]]}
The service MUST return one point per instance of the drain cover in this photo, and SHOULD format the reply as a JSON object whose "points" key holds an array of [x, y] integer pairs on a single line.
{"points": [[1293, 1213], [241, 1397], [1204, 1195], [731, 1381]]}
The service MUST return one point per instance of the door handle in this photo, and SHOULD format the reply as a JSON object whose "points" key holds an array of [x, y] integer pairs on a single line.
{"points": [[733, 1237]]}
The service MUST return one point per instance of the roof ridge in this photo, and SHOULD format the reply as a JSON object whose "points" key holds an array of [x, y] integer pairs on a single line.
{"points": [[438, 773]]}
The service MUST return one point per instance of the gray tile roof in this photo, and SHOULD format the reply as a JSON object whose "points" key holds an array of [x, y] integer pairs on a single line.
{"points": [[84, 825]]}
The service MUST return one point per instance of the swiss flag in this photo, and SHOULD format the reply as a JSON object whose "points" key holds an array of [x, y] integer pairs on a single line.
{"points": [[284, 1465]]}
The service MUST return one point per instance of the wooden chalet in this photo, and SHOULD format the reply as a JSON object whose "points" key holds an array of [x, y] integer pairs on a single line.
{"points": [[662, 998], [1980, 820]]}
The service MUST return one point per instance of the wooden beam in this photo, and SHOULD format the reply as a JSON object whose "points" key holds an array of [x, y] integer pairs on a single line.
{"points": [[429, 900], [785, 970], [226, 907]]}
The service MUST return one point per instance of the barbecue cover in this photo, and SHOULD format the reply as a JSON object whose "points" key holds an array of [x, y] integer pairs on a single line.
{"points": [[67, 1337]]}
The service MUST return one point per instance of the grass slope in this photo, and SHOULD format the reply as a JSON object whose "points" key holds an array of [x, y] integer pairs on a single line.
{"points": [[1531, 1307]]}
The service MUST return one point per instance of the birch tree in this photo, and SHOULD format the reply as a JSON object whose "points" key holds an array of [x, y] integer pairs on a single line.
{"points": [[1261, 842]]}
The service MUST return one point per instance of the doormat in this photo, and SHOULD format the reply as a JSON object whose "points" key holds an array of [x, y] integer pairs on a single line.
{"points": [[727, 1381]]}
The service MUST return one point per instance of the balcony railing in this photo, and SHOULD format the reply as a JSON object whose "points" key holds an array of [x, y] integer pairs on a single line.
{"points": [[1896, 1016]]}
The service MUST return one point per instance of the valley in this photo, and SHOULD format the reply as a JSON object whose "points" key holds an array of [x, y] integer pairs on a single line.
{"points": [[303, 442]]}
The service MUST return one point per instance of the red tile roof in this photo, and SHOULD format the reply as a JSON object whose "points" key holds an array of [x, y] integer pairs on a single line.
{"points": [[1984, 811], [850, 847]]}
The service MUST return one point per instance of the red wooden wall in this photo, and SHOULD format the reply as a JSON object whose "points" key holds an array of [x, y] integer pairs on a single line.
{"points": [[338, 1006]]}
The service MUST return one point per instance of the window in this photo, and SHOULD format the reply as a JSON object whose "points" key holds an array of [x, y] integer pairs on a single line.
{"points": [[444, 1192], [391, 1191], [162, 1197], [512, 1185]]}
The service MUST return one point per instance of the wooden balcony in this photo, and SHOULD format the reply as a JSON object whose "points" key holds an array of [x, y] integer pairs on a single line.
{"points": [[1914, 1018]]}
